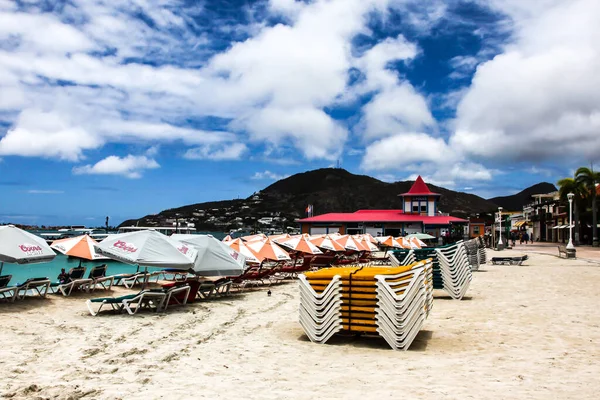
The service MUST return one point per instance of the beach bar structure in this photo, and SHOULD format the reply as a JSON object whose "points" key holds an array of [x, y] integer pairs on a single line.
{"points": [[419, 213]]}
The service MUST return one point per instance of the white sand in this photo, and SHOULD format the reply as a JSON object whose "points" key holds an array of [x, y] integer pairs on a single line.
{"points": [[523, 332]]}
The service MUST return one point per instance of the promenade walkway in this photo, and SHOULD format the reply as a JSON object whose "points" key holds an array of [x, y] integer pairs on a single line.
{"points": [[583, 252]]}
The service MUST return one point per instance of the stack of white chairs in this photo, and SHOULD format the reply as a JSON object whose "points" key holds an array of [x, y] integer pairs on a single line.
{"points": [[390, 302], [455, 269], [409, 258], [482, 251], [472, 248], [320, 313], [401, 308]]}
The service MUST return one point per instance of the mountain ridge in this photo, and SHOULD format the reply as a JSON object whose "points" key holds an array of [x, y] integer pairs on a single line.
{"points": [[327, 189]]}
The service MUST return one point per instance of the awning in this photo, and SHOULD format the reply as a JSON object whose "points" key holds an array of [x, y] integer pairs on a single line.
{"points": [[556, 227], [520, 223]]}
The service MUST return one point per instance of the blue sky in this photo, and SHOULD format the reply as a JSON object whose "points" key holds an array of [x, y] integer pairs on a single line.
{"points": [[128, 107]]}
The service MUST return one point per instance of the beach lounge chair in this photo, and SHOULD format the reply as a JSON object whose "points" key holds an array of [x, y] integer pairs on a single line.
{"points": [[143, 299], [509, 260], [99, 278], [176, 295], [76, 281], [7, 292], [192, 282], [35, 285]]}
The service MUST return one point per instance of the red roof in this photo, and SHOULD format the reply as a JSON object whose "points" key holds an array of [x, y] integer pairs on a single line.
{"points": [[382, 216], [419, 188]]}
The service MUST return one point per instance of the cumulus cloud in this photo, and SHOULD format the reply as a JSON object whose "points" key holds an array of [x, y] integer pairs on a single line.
{"points": [[396, 106], [268, 175], [425, 154], [539, 99], [232, 151], [129, 166]]}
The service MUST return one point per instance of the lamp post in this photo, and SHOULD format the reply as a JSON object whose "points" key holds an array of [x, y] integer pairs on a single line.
{"points": [[500, 244], [570, 247]]}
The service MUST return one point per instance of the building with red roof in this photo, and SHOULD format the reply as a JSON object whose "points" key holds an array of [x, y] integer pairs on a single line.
{"points": [[419, 214]]}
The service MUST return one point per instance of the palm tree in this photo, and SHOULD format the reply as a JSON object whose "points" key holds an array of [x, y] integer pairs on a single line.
{"points": [[588, 178], [571, 185]]}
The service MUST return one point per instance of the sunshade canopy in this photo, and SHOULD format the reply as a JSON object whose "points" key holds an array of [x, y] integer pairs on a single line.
{"points": [[78, 246], [268, 250], [148, 248], [300, 243], [21, 247], [328, 243], [421, 236], [214, 258], [240, 246]]}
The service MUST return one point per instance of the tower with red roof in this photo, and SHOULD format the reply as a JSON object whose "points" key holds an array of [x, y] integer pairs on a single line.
{"points": [[419, 200]]}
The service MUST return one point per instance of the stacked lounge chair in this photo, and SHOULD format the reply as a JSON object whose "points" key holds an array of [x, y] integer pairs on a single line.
{"points": [[443, 278], [482, 251], [455, 270], [390, 302], [472, 248]]}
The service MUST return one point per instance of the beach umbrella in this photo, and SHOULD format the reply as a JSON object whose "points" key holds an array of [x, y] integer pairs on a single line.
{"points": [[301, 244], [349, 243], [328, 243], [21, 247], [227, 238], [415, 243], [420, 235], [280, 238], [214, 258], [148, 248], [268, 250], [252, 238], [78, 246], [389, 241], [240, 246], [405, 243], [370, 238], [366, 243]]}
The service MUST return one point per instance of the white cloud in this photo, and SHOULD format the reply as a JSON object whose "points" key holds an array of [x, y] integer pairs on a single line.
{"points": [[397, 151], [268, 175], [540, 98], [426, 155], [233, 151], [129, 166], [40, 191], [396, 106]]}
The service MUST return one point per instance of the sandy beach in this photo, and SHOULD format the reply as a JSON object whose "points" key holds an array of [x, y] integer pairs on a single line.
{"points": [[528, 332]]}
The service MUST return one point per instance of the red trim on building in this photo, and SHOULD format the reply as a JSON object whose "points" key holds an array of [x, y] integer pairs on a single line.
{"points": [[420, 188], [382, 216]]}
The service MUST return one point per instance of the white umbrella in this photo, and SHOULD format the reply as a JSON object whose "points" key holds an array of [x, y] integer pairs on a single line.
{"points": [[148, 248], [215, 258], [20, 247], [78, 246]]}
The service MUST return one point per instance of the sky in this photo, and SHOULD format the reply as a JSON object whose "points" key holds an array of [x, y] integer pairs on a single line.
{"points": [[124, 108]]}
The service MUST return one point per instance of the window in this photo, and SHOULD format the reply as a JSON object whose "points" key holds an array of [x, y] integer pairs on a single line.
{"points": [[476, 230], [423, 207], [415, 208]]}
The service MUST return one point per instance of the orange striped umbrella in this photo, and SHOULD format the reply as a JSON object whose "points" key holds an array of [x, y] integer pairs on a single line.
{"points": [[390, 241], [302, 244], [240, 246], [268, 250], [79, 246], [328, 243], [252, 238]]}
